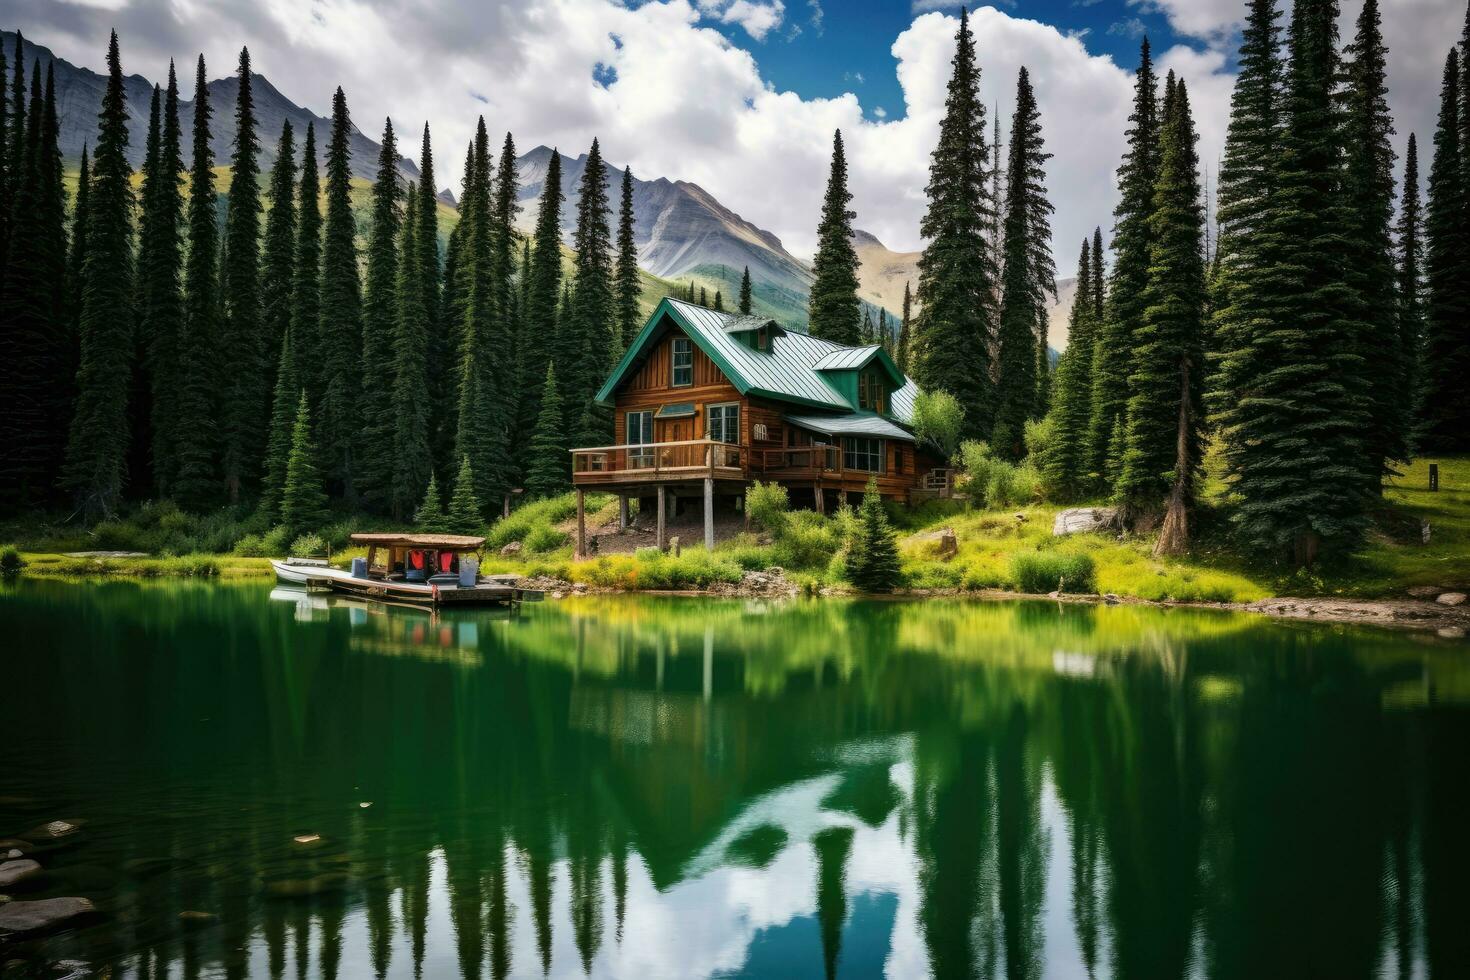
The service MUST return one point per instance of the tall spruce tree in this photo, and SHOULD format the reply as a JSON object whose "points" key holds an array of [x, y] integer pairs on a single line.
{"points": [[278, 255], [303, 499], [951, 349], [833, 310], [413, 461], [544, 338], [1368, 188], [140, 399], [245, 401], [305, 343], [14, 147], [285, 405], [593, 306], [341, 313], [160, 296], [547, 475], [745, 291], [479, 432], [465, 511], [1162, 456], [905, 331], [1444, 411], [1410, 277], [627, 284], [98, 440], [380, 319], [505, 334], [438, 354], [195, 411], [76, 260], [1124, 315], [1029, 274], [1065, 466]]}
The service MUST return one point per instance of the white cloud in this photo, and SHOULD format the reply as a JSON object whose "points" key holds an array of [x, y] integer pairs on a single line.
{"points": [[758, 19]]}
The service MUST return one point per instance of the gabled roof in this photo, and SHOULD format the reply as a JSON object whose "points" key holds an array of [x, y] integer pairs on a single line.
{"points": [[788, 371], [851, 424], [857, 358]]}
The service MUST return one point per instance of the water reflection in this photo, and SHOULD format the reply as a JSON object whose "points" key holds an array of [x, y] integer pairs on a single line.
{"points": [[669, 788]]}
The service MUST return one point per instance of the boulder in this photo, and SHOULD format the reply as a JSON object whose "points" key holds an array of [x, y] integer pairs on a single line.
{"points": [[514, 548], [1081, 520], [1424, 591], [14, 872], [44, 914], [54, 831], [1451, 599]]}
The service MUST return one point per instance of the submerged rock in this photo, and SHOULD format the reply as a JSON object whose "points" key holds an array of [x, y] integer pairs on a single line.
{"points": [[54, 831], [48, 913], [1451, 599], [1082, 520], [14, 872], [195, 918]]}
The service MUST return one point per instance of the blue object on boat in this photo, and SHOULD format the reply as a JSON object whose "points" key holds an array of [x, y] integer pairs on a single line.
{"points": [[359, 568], [469, 571]]}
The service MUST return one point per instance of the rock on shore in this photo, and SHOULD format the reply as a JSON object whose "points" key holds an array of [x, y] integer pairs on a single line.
{"points": [[47, 913]]}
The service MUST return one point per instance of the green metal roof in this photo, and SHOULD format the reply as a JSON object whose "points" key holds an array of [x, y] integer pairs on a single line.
{"points": [[786, 372], [856, 358], [851, 424]]}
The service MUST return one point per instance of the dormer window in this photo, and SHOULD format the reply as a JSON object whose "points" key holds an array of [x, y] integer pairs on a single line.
{"points": [[683, 363], [760, 339], [870, 392]]}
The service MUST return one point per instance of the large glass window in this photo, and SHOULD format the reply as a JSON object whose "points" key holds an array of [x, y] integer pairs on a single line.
{"points": [[639, 431], [724, 422], [862, 454], [683, 362]]}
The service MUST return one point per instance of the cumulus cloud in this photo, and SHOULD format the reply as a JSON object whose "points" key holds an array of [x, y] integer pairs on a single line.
{"points": [[758, 19]]}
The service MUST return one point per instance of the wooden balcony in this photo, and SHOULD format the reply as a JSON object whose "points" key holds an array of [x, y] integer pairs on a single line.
{"points": [[659, 462]]}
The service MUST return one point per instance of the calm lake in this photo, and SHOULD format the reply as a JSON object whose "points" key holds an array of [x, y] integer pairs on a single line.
{"points": [[674, 787]]}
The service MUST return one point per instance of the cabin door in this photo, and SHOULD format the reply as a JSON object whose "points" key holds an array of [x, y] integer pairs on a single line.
{"points": [[676, 430]]}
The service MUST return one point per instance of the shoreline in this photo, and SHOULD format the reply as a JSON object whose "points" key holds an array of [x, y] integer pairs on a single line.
{"points": [[1395, 612]]}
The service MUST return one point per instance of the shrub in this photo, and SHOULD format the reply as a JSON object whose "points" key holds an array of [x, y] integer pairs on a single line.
{"points": [[544, 537], [1049, 571], [768, 506], [549, 513], [10, 562], [1039, 436], [993, 482], [807, 542], [251, 546], [307, 545], [938, 419], [872, 561]]}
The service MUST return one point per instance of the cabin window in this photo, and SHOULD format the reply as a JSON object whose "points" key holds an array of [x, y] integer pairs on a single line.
{"points": [[639, 431], [862, 454], [760, 339], [683, 362], [723, 422], [870, 392]]}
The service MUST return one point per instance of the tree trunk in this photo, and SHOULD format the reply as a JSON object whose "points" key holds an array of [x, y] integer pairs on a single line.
{"points": [[1174, 532]]}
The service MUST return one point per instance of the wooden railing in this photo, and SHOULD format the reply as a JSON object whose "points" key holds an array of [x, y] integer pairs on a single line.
{"points": [[797, 461], [654, 460]]}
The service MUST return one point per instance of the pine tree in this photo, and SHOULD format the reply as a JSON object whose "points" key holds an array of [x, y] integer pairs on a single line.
{"points": [[1124, 315], [867, 333], [6, 189], [413, 462], [437, 352], [1444, 412], [284, 407], [341, 312], [1027, 277], [464, 515], [505, 335], [545, 340], [905, 332], [303, 500], [703, 297], [380, 320], [1369, 189], [626, 276], [1410, 277], [193, 424], [547, 475], [1065, 466], [885, 335], [97, 447], [593, 305], [1162, 457], [245, 404], [719, 302], [833, 307], [872, 560], [745, 292], [13, 146], [957, 295], [305, 344], [429, 518], [278, 257], [479, 432]]}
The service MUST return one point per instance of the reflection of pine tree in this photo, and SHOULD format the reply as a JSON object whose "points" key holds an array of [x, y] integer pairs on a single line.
{"points": [[1023, 846], [833, 846]]}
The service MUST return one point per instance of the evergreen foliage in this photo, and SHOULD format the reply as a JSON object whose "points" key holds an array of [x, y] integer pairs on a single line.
{"points": [[1028, 276], [545, 341], [340, 335], [413, 461], [745, 292], [904, 344], [429, 518], [872, 562], [547, 475], [592, 318], [1065, 466], [1124, 315], [464, 516], [380, 321], [277, 261], [97, 445], [505, 334], [285, 402], [245, 402], [303, 500], [957, 295], [1444, 413], [833, 307], [305, 349], [628, 286], [1410, 277]]}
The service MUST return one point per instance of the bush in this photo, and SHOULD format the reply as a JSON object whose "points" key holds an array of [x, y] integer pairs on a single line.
{"points": [[938, 419], [1038, 436], [993, 482], [307, 545], [768, 506], [650, 568], [251, 546], [808, 541], [10, 562], [547, 513], [1049, 571], [544, 537]]}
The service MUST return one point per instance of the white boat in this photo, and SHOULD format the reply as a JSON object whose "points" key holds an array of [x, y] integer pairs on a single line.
{"points": [[295, 571]]}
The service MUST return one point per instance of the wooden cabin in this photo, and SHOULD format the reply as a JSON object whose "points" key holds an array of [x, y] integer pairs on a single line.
{"points": [[705, 403]]}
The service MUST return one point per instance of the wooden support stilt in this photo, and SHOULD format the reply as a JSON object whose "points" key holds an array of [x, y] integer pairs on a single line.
{"points": [[663, 509], [622, 513], [817, 496], [709, 514], [581, 523]]}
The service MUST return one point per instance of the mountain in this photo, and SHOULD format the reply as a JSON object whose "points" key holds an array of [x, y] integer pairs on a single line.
{"points": [[79, 97]]}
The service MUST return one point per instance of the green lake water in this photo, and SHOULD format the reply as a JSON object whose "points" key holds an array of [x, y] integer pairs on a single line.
{"points": [[651, 787]]}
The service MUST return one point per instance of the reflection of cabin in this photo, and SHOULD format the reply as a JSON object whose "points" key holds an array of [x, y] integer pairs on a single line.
{"points": [[706, 402]]}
